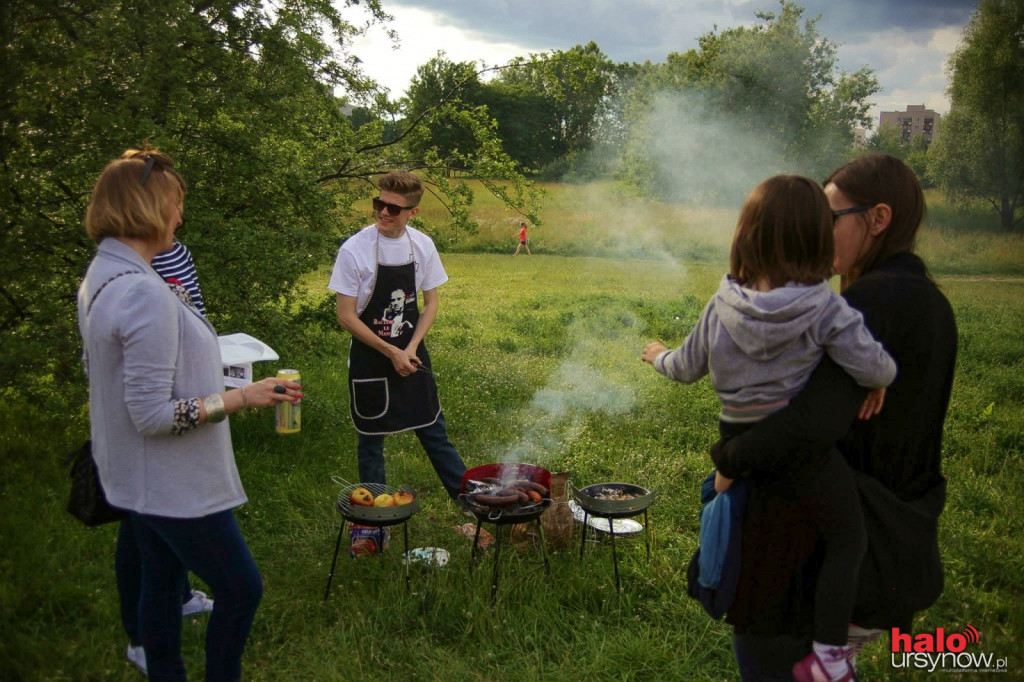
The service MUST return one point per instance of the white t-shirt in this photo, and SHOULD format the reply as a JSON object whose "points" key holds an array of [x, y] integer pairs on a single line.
{"points": [[354, 268]]}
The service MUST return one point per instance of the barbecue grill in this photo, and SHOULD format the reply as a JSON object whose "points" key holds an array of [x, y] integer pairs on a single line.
{"points": [[378, 517], [612, 501], [487, 493]]}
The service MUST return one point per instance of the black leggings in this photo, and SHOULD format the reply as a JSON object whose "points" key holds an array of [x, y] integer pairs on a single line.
{"points": [[832, 504]]}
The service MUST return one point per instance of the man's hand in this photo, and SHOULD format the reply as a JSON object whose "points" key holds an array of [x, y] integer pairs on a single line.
{"points": [[404, 362], [722, 483]]}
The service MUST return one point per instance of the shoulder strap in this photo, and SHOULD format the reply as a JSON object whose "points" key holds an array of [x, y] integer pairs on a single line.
{"points": [[102, 286]]}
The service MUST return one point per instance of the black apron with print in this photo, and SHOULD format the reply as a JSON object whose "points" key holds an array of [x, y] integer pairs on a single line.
{"points": [[383, 401]]}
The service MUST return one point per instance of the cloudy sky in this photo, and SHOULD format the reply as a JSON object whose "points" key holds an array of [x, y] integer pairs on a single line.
{"points": [[906, 42]]}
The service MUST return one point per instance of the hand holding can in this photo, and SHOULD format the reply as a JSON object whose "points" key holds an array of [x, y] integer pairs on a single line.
{"points": [[289, 415]]}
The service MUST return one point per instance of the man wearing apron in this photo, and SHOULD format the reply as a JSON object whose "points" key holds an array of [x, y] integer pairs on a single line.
{"points": [[391, 384]]}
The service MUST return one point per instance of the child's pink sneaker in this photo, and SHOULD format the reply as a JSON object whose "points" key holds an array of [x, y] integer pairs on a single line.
{"points": [[811, 669]]}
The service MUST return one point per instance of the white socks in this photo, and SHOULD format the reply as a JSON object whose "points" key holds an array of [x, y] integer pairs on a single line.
{"points": [[833, 658]]}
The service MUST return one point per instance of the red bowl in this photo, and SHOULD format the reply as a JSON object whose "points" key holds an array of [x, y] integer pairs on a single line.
{"points": [[507, 470]]}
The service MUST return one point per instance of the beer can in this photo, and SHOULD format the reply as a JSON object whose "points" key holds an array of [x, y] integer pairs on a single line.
{"points": [[289, 415]]}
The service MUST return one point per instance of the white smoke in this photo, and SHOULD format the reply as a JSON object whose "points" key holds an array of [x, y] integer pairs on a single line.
{"points": [[587, 383]]}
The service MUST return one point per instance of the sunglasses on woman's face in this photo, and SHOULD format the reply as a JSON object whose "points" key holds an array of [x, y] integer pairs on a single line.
{"points": [[392, 209]]}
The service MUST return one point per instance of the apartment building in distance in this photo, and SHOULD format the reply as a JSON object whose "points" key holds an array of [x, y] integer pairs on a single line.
{"points": [[916, 120]]}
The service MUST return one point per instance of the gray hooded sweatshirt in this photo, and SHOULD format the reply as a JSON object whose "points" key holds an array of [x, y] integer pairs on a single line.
{"points": [[760, 347]]}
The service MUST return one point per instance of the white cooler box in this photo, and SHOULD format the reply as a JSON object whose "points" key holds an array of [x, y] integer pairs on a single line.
{"points": [[238, 352]]}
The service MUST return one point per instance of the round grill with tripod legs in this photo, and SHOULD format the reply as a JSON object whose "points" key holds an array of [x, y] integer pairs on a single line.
{"points": [[379, 517], [612, 501], [498, 483]]}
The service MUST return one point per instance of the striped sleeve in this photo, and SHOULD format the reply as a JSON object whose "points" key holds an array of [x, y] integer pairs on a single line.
{"points": [[177, 263]]}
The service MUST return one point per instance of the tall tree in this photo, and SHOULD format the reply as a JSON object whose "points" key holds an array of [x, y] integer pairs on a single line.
{"points": [[748, 101], [979, 154], [242, 94], [576, 81], [443, 90], [527, 123]]}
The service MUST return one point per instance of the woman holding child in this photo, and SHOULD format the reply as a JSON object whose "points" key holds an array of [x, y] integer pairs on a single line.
{"points": [[895, 456]]}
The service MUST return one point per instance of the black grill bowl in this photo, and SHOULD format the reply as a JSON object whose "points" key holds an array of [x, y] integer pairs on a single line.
{"points": [[587, 498]]}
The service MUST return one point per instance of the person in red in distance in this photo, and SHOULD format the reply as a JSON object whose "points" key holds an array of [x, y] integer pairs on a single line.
{"points": [[522, 240], [895, 457]]}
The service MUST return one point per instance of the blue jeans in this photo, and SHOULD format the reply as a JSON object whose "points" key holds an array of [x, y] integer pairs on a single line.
{"points": [[213, 548], [762, 658], [434, 439], [128, 569]]}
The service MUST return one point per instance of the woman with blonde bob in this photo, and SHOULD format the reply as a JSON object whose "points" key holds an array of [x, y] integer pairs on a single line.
{"points": [[158, 412]]}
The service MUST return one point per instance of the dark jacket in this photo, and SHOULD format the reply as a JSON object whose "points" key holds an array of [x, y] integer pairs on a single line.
{"points": [[898, 452]]}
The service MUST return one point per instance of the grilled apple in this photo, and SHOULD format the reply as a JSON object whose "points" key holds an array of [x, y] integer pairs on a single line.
{"points": [[361, 497]]}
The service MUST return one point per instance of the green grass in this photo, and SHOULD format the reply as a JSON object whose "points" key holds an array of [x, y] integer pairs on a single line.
{"points": [[538, 359]]}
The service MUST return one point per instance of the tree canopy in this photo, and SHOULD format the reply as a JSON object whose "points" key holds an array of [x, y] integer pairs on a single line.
{"points": [[250, 98], [748, 102], [979, 154]]}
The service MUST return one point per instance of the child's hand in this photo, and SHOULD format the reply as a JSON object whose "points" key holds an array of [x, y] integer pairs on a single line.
{"points": [[872, 404], [721, 483], [652, 351]]}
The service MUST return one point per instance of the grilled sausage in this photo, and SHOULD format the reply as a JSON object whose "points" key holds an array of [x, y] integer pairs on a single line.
{"points": [[498, 499], [521, 494], [534, 496], [530, 485]]}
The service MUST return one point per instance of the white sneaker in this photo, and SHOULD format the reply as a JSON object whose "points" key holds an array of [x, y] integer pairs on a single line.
{"points": [[199, 603], [137, 655]]}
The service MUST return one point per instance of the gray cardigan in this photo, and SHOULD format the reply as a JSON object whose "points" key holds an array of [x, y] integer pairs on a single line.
{"points": [[145, 349]]}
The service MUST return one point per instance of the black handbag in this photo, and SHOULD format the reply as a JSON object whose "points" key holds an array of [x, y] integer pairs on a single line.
{"points": [[87, 501]]}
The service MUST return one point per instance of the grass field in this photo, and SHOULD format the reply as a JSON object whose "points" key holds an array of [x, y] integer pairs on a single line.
{"points": [[538, 360]]}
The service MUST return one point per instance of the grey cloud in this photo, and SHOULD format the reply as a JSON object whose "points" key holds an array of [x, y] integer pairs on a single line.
{"points": [[650, 29]]}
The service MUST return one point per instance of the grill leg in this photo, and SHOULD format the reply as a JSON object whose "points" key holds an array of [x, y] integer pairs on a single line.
{"points": [[583, 534], [647, 533], [405, 537], [544, 549], [494, 576], [476, 539], [615, 556], [337, 547]]}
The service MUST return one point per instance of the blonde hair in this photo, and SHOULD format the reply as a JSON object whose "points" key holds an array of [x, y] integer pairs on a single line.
{"points": [[128, 202], [784, 234]]}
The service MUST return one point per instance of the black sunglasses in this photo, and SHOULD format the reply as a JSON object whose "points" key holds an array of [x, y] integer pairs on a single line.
{"points": [[393, 209], [852, 209], [150, 162]]}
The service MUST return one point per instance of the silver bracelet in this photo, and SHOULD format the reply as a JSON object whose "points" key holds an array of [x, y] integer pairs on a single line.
{"points": [[214, 406]]}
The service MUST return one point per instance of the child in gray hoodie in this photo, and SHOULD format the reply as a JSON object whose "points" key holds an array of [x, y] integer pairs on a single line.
{"points": [[759, 338]]}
